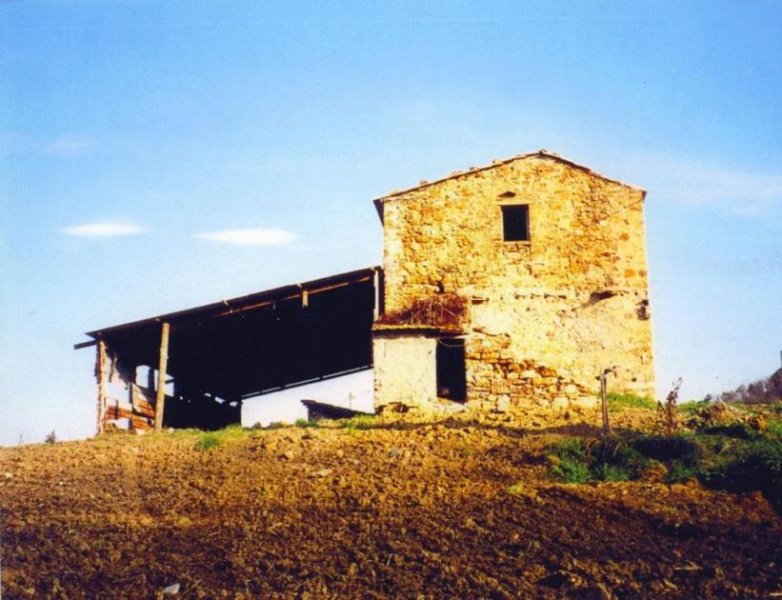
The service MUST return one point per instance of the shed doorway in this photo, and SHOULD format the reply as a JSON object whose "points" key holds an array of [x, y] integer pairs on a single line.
{"points": [[451, 373]]}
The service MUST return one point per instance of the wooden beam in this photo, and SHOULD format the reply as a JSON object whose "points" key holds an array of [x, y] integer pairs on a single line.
{"points": [[100, 376], [136, 421], [150, 380], [142, 402], [160, 400], [376, 288]]}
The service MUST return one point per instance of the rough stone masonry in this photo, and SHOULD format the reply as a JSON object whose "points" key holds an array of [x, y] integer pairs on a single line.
{"points": [[511, 284]]}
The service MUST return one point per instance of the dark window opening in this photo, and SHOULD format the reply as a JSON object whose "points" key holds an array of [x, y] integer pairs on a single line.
{"points": [[515, 223], [451, 373]]}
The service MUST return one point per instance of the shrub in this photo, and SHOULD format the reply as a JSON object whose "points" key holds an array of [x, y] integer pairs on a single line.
{"points": [[51, 438], [669, 448], [612, 457], [729, 462], [679, 472], [756, 466], [774, 429], [576, 460], [305, 423], [607, 472], [740, 431]]}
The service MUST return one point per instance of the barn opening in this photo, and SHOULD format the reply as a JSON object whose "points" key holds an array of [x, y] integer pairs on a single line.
{"points": [[450, 367], [195, 368]]}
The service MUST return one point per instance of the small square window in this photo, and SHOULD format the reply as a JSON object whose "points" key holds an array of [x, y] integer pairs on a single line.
{"points": [[515, 223]]}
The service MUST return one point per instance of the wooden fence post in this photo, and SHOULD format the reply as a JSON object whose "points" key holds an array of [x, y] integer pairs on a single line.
{"points": [[604, 401], [160, 399]]}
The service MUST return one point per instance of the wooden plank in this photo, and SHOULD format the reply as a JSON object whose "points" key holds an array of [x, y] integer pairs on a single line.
{"points": [[142, 400], [100, 375], [136, 421], [160, 400]]}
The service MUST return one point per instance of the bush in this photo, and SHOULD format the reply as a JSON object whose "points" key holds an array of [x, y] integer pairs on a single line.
{"points": [[728, 462], [756, 466], [740, 431], [305, 423], [576, 460], [679, 472], [669, 448], [774, 429]]}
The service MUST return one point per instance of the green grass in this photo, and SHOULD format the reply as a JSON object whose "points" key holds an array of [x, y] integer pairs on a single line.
{"points": [[624, 401], [757, 465], [359, 423], [727, 458], [691, 406], [679, 472], [213, 439], [740, 431], [577, 460], [774, 429], [669, 448], [569, 460], [208, 441], [305, 423]]}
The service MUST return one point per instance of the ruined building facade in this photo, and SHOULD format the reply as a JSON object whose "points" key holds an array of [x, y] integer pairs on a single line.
{"points": [[515, 283], [504, 286]]}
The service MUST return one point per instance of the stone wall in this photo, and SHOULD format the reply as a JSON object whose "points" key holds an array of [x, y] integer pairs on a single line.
{"points": [[404, 369], [545, 315]]}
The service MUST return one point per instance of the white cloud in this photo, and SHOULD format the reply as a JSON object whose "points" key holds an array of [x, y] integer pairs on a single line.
{"points": [[249, 237], [70, 145], [64, 146], [105, 229], [725, 187]]}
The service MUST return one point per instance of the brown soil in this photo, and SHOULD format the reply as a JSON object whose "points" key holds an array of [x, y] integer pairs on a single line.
{"points": [[395, 511]]}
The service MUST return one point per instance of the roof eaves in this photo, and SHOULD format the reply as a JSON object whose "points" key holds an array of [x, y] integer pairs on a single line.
{"points": [[241, 303]]}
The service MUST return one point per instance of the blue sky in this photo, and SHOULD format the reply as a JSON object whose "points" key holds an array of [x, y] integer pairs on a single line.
{"points": [[140, 141]]}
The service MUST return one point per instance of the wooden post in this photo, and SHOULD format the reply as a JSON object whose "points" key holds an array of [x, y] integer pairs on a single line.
{"points": [[150, 380], [100, 376], [604, 401], [376, 286], [160, 399]]}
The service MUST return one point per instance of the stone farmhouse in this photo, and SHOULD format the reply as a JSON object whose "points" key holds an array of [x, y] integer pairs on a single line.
{"points": [[503, 286], [512, 283]]}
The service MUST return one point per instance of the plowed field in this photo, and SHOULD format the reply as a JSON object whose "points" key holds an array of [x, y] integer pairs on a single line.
{"points": [[393, 511]]}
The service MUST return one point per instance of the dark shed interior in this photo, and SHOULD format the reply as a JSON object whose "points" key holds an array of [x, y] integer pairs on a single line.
{"points": [[222, 353]]}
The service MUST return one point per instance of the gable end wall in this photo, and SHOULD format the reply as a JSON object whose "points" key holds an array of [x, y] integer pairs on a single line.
{"points": [[547, 315]]}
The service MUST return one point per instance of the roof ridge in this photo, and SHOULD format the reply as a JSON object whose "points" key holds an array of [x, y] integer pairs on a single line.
{"points": [[496, 163]]}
